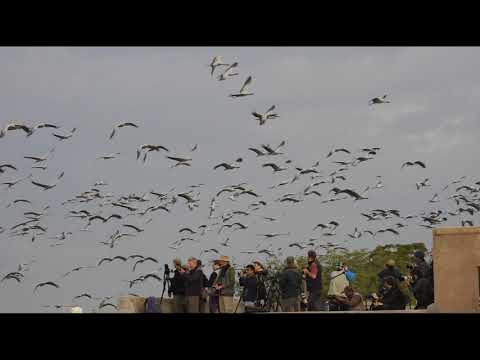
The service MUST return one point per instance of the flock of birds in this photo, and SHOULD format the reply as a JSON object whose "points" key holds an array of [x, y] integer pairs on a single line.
{"points": [[131, 213]]}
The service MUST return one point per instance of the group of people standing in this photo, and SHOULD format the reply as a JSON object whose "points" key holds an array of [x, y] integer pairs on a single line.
{"points": [[297, 290]]}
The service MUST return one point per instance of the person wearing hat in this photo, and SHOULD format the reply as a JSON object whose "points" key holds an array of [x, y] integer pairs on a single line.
{"points": [[313, 276], [177, 287], [290, 282], [389, 270], [421, 280], [225, 284], [420, 263]]}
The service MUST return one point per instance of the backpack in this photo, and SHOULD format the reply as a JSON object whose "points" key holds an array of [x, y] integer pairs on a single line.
{"points": [[151, 305], [351, 276]]}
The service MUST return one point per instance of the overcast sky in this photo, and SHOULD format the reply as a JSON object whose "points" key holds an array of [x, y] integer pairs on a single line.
{"points": [[321, 96]]}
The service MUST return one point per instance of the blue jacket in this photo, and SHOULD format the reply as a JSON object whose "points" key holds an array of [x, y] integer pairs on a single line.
{"points": [[249, 284]]}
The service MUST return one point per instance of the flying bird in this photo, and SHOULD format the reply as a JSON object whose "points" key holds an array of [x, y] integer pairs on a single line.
{"points": [[263, 117], [275, 167], [143, 260], [379, 100], [242, 91], [137, 229], [228, 72], [65, 137], [50, 283], [337, 150], [121, 125], [410, 163], [216, 62], [7, 166]]}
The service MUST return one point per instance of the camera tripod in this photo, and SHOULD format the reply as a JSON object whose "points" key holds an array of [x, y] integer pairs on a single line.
{"points": [[166, 282], [272, 301]]}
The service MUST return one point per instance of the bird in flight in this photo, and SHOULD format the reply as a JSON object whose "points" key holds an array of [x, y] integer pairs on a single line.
{"points": [[229, 166], [15, 126], [331, 152], [242, 91], [379, 100], [263, 117], [422, 184], [47, 186], [6, 166], [108, 156], [49, 283], [121, 125], [410, 163], [274, 166], [42, 158], [228, 72], [65, 137], [216, 62]]}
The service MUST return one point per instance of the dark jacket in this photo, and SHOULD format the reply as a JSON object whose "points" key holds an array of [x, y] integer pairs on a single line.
{"points": [[423, 268], [194, 282], [388, 271], [394, 299], [177, 286], [314, 285], [290, 283], [423, 292], [249, 284], [211, 279]]}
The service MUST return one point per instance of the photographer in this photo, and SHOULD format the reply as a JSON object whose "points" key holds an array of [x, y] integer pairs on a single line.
{"points": [[177, 288], [261, 273], [389, 270], [194, 284], [212, 292], [225, 284], [421, 280], [313, 277], [392, 298], [290, 286], [248, 280]]}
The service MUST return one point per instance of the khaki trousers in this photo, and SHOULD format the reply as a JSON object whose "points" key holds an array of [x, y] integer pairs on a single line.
{"points": [[226, 304]]}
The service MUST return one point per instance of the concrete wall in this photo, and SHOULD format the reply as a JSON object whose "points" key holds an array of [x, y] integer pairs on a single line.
{"points": [[456, 259], [135, 304]]}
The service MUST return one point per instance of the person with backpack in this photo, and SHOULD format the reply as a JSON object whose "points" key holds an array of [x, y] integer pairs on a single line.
{"points": [[290, 283], [225, 284], [313, 276], [422, 288], [338, 283]]}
